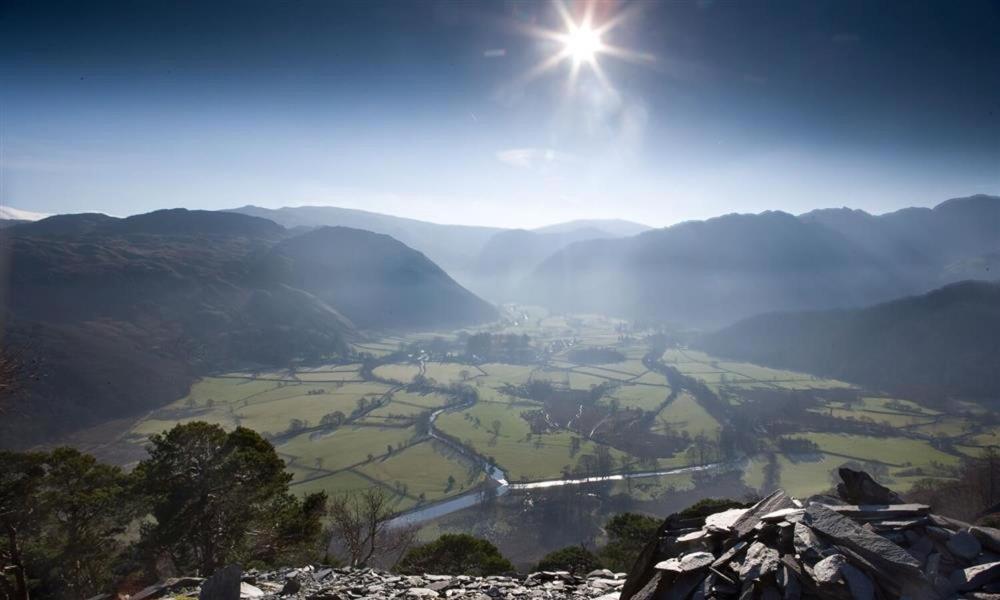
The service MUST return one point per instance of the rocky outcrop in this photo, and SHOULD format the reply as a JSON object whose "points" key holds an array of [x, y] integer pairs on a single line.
{"points": [[323, 583], [867, 543]]}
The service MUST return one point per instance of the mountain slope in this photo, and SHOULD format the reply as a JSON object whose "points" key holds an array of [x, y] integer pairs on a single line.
{"points": [[450, 246], [511, 255], [922, 242], [121, 315], [945, 341], [714, 271], [376, 280]]}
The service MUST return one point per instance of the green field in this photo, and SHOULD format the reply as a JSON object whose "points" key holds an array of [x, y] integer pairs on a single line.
{"points": [[381, 442], [685, 414]]}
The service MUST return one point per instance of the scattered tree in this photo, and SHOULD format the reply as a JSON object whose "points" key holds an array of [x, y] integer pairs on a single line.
{"points": [[361, 524], [455, 554], [575, 559]]}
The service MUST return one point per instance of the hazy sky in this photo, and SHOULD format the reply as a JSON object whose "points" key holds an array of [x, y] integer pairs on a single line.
{"points": [[425, 109]]}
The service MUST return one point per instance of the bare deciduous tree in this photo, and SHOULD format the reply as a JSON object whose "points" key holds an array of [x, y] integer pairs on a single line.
{"points": [[362, 524]]}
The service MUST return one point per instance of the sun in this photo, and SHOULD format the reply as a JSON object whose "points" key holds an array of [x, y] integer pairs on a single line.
{"points": [[583, 43]]}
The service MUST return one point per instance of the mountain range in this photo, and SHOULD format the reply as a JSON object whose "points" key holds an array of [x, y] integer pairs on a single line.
{"points": [[488, 260], [936, 344], [117, 316], [712, 273], [121, 315]]}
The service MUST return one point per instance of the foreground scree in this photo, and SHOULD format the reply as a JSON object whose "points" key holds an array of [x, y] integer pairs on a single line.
{"points": [[321, 583], [863, 544]]}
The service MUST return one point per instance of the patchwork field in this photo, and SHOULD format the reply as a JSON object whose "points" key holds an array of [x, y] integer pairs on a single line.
{"points": [[340, 432]]}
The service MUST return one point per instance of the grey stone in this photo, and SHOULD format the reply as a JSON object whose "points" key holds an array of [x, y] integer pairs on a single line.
{"points": [[248, 591], [975, 576], [162, 588], [760, 560], [921, 548], [696, 561], [964, 545], [806, 543], [224, 584], [292, 585], [869, 545], [600, 573], [788, 580], [988, 537], [861, 585], [827, 570], [781, 514], [858, 487], [723, 521], [421, 593], [867, 512], [746, 523], [728, 555]]}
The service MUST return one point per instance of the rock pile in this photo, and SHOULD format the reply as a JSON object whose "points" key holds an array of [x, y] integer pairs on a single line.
{"points": [[321, 583], [864, 544]]}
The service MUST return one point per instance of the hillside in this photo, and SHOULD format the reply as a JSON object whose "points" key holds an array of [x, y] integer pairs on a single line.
{"points": [[375, 280], [510, 255], [121, 315], [711, 271], [943, 341], [489, 260], [450, 246], [716, 271]]}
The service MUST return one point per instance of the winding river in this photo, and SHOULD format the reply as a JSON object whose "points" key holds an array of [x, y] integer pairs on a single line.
{"points": [[503, 486]]}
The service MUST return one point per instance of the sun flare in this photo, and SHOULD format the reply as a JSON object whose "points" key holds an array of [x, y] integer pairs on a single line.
{"points": [[583, 43]]}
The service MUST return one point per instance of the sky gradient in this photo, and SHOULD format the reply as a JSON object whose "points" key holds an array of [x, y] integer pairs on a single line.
{"points": [[424, 109]]}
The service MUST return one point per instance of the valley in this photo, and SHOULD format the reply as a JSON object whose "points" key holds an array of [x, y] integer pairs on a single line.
{"points": [[542, 397]]}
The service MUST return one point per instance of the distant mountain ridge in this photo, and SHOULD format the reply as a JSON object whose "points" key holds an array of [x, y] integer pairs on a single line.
{"points": [[120, 315], [943, 342], [451, 246], [720, 270], [489, 260], [611, 227]]}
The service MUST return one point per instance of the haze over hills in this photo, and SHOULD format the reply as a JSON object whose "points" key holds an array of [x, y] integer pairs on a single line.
{"points": [[611, 227], [121, 315], [489, 260], [944, 342], [720, 270], [453, 247], [510, 255]]}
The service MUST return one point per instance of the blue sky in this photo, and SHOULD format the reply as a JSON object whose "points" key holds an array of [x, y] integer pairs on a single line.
{"points": [[423, 109]]}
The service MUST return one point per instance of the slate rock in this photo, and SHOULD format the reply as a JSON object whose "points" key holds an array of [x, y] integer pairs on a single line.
{"points": [[988, 537], [600, 573], [292, 585], [723, 521], [249, 591], [964, 545], [869, 545], [224, 584], [975, 576], [828, 570], [760, 560], [775, 501], [858, 487], [861, 586], [696, 561], [806, 543]]}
